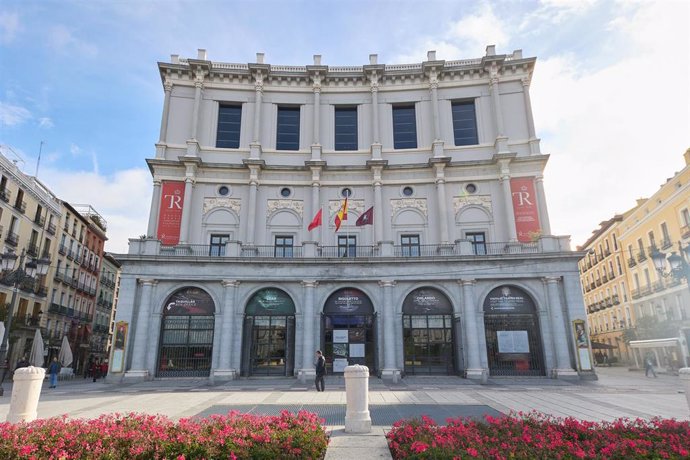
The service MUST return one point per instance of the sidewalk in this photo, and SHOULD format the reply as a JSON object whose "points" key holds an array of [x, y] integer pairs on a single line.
{"points": [[617, 393]]}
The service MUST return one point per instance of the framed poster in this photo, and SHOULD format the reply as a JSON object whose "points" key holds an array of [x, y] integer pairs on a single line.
{"points": [[340, 336], [340, 350], [339, 365], [582, 345], [117, 362], [356, 350], [512, 342]]}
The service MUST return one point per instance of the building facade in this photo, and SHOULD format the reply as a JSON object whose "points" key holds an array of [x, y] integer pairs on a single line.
{"points": [[106, 305], [443, 262], [29, 214]]}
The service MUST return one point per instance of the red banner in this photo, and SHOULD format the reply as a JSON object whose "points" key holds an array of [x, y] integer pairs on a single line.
{"points": [[525, 209], [170, 215]]}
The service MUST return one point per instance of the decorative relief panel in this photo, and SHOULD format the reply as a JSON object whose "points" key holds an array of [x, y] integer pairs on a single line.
{"points": [[228, 203], [352, 205], [414, 203], [275, 205], [484, 201]]}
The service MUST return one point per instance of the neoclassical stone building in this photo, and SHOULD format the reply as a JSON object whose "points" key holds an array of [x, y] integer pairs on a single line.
{"points": [[453, 269]]}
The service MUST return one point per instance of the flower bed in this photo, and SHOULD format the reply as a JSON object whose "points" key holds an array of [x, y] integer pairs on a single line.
{"points": [[537, 436], [139, 436]]}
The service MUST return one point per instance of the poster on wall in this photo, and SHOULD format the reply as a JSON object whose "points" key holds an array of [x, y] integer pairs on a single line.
{"points": [[339, 365], [340, 350], [512, 342], [340, 336], [356, 350], [582, 344], [525, 209], [117, 361], [170, 215]]}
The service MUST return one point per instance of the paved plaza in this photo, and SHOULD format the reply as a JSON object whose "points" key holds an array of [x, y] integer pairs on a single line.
{"points": [[617, 393]]}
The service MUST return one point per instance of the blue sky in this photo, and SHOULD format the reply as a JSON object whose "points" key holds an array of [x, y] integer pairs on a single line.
{"points": [[610, 90]]}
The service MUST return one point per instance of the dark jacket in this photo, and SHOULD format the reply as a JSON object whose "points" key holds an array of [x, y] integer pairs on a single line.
{"points": [[54, 368], [321, 366]]}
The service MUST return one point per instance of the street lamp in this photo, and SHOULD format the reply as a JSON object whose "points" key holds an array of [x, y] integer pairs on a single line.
{"points": [[679, 265], [15, 278]]}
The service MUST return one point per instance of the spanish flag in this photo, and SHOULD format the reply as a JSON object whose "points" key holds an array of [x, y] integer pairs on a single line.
{"points": [[341, 215]]}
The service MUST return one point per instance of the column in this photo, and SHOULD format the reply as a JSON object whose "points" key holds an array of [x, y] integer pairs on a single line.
{"points": [[559, 331], [140, 344], [155, 209], [317, 109], [225, 369], [442, 205], [255, 146], [437, 144], [163, 137], [308, 348], [389, 367], [471, 328], [376, 145], [504, 178], [251, 214], [533, 141], [501, 139], [378, 206], [198, 85], [186, 210], [541, 205], [316, 202]]}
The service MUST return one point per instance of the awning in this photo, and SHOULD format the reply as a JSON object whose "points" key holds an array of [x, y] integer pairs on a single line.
{"points": [[655, 343], [602, 346]]}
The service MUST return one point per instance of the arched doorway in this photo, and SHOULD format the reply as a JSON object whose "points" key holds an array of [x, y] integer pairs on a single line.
{"points": [[513, 335], [349, 331], [428, 333], [269, 334], [186, 340]]}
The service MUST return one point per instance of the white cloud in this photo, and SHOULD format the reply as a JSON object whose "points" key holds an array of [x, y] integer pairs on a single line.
{"points": [[123, 199], [9, 26], [45, 122], [616, 133], [13, 115], [63, 40]]}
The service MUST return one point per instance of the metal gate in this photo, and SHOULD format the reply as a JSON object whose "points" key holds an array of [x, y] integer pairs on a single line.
{"points": [[186, 346], [428, 344], [528, 362], [268, 345]]}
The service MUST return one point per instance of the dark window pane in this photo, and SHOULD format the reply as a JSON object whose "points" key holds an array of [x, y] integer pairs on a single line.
{"points": [[404, 128], [478, 240], [229, 121], [465, 123], [287, 132], [346, 128], [347, 246]]}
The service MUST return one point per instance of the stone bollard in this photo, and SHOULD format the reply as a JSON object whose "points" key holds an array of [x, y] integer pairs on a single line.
{"points": [[25, 393], [684, 374], [357, 418]]}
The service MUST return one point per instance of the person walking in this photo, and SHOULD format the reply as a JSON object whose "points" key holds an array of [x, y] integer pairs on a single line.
{"points": [[54, 370], [95, 370], [648, 366], [320, 371]]}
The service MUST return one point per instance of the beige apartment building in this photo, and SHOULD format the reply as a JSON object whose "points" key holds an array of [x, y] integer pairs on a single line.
{"points": [[603, 274], [661, 224]]}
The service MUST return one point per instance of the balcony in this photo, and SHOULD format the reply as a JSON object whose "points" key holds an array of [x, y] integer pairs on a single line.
{"points": [[631, 262], [32, 249], [598, 283], [51, 229], [666, 243], [54, 308], [70, 312], [641, 257], [5, 195], [685, 231], [607, 252], [12, 238], [40, 220], [615, 299], [41, 291], [635, 293], [20, 206], [62, 249], [612, 276], [604, 279], [658, 286], [70, 254]]}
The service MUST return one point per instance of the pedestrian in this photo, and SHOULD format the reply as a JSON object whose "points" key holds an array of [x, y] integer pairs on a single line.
{"points": [[54, 370], [649, 366], [598, 357], [320, 371], [87, 368], [95, 370], [606, 360], [22, 363], [104, 369]]}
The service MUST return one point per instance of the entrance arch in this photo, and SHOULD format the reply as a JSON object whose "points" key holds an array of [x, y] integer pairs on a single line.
{"points": [[513, 335], [185, 347], [348, 326], [428, 333], [268, 346]]}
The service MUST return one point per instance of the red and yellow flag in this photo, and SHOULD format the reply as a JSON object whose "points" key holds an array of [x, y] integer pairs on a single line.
{"points": [[341, 215]]}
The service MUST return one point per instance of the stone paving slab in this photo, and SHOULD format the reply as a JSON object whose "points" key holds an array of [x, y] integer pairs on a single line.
{"points": [[346, 446]]}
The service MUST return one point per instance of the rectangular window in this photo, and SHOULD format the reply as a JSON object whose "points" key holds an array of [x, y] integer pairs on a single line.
{"points": [[346, 128], [217, 247], [287, 129], [410, 245], [478, 240], [685, 214], [666, 237], [404, 127], [464, 123], [229, 121], [284, 244], [615, 242], [347, 246]]}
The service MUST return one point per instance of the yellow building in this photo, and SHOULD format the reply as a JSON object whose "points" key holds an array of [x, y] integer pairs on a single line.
{"points": [[603, 274], [661, 301], [29, 214]]}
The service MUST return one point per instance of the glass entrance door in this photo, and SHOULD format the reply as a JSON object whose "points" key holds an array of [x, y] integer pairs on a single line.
{"points": [[271, 340], [428, 344], [349, 340]]}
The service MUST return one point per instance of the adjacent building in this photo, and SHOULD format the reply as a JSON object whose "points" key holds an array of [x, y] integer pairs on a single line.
{"points": [[391, 215], [106, 306]]}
